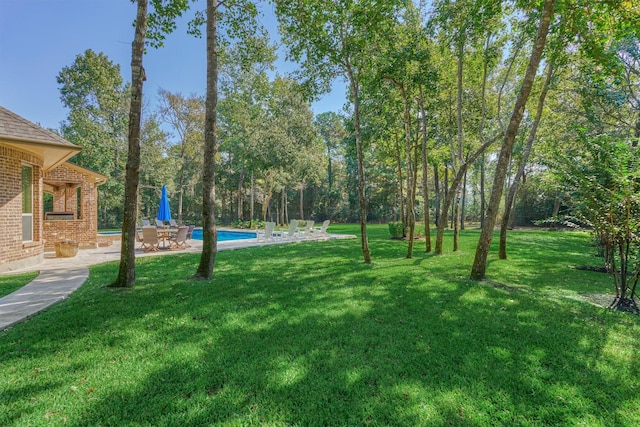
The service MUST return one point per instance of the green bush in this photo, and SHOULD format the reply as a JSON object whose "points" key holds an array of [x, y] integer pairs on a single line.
{"points": [[246, 224], [396, 228]]}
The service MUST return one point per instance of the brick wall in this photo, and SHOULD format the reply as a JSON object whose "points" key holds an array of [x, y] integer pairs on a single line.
{"points": [[84, 228], [15, 253]]}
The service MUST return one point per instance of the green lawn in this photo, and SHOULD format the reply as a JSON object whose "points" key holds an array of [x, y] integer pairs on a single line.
{"points": [[306, 334], [13, 282]]}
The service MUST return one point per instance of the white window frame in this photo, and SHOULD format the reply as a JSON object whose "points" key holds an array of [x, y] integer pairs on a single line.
{"points": [[27, 217]]}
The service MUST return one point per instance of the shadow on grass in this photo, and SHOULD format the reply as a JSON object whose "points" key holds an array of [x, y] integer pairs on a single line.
{"points": [[307, 334]]}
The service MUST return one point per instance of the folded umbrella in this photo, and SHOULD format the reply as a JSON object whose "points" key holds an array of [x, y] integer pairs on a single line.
{"points": [[164, 212]]}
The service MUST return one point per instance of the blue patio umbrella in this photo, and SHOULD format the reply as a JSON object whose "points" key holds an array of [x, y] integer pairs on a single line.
{"points": [[164, 213]]}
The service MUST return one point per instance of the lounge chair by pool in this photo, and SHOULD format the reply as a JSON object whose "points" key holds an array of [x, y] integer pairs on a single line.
{"points": [[291, 232], [267, 234], [322, 231]]}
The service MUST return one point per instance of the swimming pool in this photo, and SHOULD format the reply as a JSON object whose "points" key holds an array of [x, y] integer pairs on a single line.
{"points": [[224, 235]]}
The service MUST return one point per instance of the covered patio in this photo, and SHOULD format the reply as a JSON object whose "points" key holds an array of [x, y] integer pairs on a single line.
{"points": [[71, 206]]}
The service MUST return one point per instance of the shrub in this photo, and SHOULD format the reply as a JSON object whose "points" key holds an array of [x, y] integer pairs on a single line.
{"points": [[396, 228], [247, 224], [604, 196]]}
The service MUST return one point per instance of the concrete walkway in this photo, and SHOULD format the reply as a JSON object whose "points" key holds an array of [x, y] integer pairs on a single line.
{"points": [[59, 277]]}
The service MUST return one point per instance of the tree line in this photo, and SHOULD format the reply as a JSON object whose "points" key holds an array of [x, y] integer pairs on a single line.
{"points": [[458, 111]]}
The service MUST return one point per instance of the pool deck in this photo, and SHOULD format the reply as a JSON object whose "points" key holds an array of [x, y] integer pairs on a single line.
{"points": [[59, 277]]}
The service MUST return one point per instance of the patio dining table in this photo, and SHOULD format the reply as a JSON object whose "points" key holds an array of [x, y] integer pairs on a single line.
{"points": [[164, 234]]}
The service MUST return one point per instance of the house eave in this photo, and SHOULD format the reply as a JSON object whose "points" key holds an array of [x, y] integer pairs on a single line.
{"points": [[51, 154], [95, 177]]}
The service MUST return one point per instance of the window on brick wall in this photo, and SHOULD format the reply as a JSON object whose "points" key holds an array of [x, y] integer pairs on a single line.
{"points": [[79, 203], [27, 203]]}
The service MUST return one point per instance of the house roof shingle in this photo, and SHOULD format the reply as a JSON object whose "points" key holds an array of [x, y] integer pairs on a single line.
{"points": [[12, 126], [24, 135]]}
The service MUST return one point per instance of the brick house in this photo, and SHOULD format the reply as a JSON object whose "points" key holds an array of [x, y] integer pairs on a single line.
{"points": [[34, 176]]}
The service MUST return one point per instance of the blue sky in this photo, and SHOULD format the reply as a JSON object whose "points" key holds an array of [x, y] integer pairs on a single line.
{"points": [[40, 37]]}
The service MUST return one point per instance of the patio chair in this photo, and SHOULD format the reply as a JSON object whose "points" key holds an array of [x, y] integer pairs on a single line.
{"points": [[291, 232], [139, 238], [306, 233], [266, 235], [322, 231], [150, 240], [159, 223], [190, 231], [173, 223], [180, 239], [145, 223]]}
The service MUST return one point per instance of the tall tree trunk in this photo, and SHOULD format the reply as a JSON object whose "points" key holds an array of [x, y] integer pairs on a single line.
{"points": [[483, 179], [453, 214], [361, 179], [482, 251], [180, 191], [127, 270], [447, 203], [483, 115], [445, 210], [416, 163], [283, 202], [329, 167], [395, 204], [400, 181], [223, 202], [410, 219], [240, 196], [511, 196], [285, 207], [451, 192], [209, 232], [463, 214], [268, 193], [456, 218], [436, 184], [425, 175], [301, 202], [252, 201], [460, 130], [556, 206]]}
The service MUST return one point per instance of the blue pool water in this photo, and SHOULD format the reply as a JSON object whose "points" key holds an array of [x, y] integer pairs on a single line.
{"points": [[224, 235]]}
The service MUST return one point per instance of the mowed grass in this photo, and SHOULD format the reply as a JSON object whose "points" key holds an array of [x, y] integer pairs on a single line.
{"points": [[307, 334], [12, 282]]}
